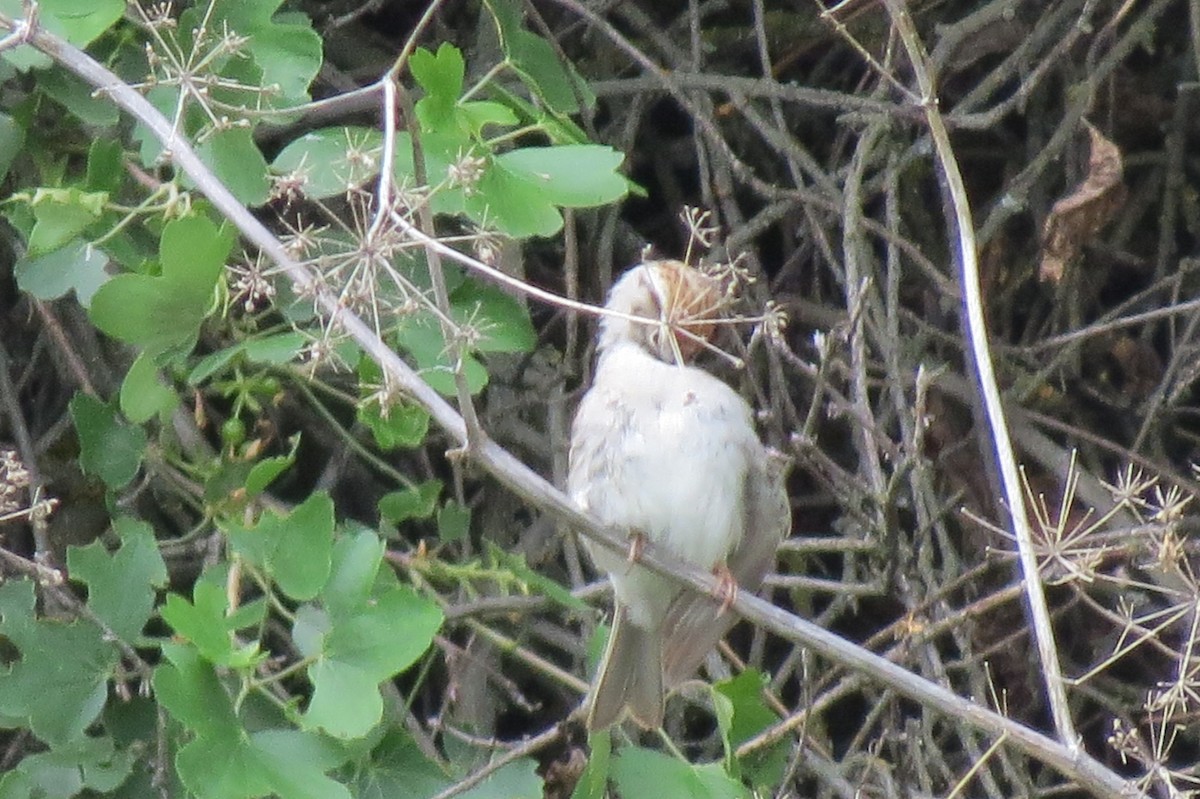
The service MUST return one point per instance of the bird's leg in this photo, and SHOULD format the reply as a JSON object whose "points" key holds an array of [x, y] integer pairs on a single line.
{"points": [[637, 542], [727, 587]]}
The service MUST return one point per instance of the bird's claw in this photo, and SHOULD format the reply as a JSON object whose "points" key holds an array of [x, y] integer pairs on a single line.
{"points": [[637, 542], [727, 587]]}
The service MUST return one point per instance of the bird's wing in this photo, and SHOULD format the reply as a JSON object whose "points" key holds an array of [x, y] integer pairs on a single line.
{"points": [[694, 622]]}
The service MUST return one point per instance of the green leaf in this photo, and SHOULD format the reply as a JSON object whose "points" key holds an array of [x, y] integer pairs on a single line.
{"points": [[478, 114], [59, 684], [420, 335], [356, 559], [263, 473], [359, 639], [555, 81], [453, 521], [143, 394], [237, 162], [284, 46], [106, 165], [398, 769], [294, 550], [441, 76], [206, 622], [593, 783], [417, 502], [516, 780], [742, 715], [121, 585], [165, 312], [330, 161], [642, 772], [78, 23], [78, 266], [520, 191], [79, 99], [66, 771], [569, 175], [277, 349], [61, 215], [224, 761], [404, 426], [502, 322], [12, 139], [108, 448]]}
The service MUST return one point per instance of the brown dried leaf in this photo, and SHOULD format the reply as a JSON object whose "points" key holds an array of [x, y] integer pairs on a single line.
{"points": [[1080, 215]]}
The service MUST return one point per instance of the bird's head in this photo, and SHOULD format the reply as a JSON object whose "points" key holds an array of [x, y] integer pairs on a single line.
{"points": [[682, 300]]}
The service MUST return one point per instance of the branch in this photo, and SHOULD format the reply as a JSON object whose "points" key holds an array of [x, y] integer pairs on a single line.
{"points": [[977, 332]]}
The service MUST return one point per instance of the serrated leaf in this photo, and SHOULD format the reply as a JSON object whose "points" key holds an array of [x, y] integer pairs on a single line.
{"points": [[121, 585], [108, 448], [294, 550]]}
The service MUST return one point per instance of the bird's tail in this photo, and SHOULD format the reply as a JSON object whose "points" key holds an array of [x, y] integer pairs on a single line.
{"points": [[630, 677]]}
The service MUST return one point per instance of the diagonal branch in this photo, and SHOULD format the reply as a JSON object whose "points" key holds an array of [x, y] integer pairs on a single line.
{"points": [[964, 225]]}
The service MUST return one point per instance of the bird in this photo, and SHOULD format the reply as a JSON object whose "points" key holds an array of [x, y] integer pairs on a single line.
{"points": [[667, 452]]}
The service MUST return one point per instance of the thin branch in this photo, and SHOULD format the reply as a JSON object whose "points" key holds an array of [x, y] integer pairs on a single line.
{"points": [[977, 332]]}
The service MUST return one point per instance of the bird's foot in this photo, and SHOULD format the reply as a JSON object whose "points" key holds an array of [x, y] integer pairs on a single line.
{"points": [[727, 587], [637, 542]]}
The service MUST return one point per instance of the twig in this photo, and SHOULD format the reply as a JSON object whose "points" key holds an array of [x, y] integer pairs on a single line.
{"points": [[976, 326]]}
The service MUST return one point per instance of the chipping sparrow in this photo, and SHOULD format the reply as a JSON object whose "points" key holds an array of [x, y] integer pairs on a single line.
{"points": [[666, 451]]}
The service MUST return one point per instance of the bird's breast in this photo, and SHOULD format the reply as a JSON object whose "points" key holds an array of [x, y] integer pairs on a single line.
{"points": [[663, 451]]}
